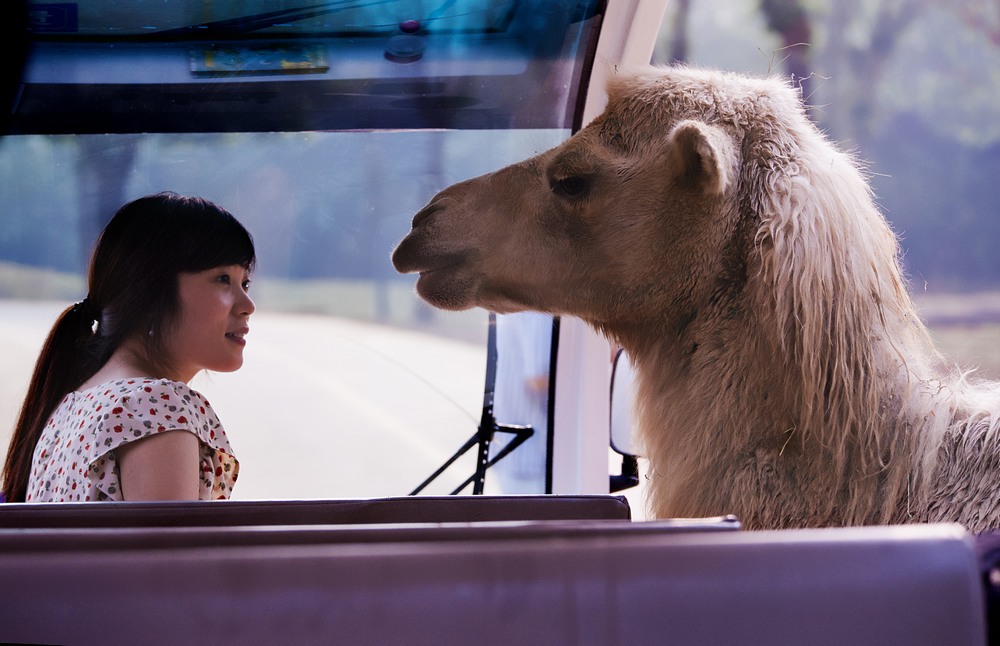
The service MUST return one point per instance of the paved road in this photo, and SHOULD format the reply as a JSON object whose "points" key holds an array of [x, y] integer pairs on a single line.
{"points": [[323, 407]]}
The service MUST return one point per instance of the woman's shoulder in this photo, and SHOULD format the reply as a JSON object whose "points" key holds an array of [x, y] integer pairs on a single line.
{"points": [[136, 392], [137, 385], [130, 409]]}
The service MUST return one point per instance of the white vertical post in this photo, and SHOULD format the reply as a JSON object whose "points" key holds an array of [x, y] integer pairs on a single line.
{"points": [[582, 410]]}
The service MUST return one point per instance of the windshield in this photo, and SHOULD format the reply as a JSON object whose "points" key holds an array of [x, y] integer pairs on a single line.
{"points": [[351, 386], [238, 18], [262, 67]]}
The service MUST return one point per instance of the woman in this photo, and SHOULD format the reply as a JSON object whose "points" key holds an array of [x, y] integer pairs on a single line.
{"points": [[109, 414]]}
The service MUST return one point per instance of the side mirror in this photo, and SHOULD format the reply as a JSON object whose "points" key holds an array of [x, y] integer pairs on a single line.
{"points": [[622, 394], [622, 422]]}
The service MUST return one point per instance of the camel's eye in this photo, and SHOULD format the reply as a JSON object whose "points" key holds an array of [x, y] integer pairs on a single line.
{"points": [[573, 186]]}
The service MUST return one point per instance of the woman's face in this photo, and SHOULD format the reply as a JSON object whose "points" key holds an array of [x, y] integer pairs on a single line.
{"points": [[211, 322]]}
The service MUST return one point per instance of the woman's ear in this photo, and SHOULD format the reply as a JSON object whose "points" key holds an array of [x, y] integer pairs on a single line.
{"points": [[701, 155]]}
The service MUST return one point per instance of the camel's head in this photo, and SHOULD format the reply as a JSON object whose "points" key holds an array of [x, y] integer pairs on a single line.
{"points": [[634, 216]]}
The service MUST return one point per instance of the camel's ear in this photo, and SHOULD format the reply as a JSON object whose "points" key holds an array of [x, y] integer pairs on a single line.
{"points": [[701, 154]]}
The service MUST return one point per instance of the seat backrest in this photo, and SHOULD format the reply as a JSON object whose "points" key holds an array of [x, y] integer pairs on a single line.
{"points": [[85, 539], [611, 584], [410, 509]]}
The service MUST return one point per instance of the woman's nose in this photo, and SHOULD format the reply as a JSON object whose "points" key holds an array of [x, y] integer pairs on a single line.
{"points": [[247, 306]]}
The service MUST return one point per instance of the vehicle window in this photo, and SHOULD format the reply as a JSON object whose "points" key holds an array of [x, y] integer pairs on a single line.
{"points": [[351, 385]]}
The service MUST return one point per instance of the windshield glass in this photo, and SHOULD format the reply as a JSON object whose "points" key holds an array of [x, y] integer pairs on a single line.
{"points": [[165, 67], [168, 20], [351, 386]]}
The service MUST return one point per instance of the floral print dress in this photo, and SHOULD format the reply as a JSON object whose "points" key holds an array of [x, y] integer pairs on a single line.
{"points": [[75, 458]]}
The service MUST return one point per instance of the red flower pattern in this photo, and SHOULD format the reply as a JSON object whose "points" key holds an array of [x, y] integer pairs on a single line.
{"points": [[84, 466]]}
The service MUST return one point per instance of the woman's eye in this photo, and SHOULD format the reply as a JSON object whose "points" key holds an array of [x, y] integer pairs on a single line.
{"points": [[224, 278], [246, 285]]}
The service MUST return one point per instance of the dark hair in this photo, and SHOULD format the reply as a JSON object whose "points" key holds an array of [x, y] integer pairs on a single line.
{"points": [[132, 293]]}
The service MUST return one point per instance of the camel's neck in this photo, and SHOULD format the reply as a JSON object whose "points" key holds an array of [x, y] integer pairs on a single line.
{"points": [[724, 396], [714, 358]]}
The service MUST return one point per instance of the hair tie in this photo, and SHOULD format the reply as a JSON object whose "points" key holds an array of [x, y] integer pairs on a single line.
{"points": [[86, 308]]}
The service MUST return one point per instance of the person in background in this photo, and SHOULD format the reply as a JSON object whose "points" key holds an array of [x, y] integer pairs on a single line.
{"points": [[109, 414], [521, 396]]}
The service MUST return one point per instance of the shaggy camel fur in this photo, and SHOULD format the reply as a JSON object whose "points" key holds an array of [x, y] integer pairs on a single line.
{"points": [[707, 226]]}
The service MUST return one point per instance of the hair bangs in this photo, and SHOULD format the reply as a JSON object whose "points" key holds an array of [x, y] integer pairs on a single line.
{"points": [[211, 237]]}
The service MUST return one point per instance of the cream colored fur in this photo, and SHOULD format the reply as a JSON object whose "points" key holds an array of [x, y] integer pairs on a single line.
{"points": [[706, 225]]}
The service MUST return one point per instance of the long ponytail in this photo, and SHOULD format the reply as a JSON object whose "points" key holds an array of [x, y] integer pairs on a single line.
{"points": [[66, 360]]}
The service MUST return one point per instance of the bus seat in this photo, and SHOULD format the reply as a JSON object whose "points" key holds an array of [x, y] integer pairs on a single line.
{"points": [[410, 509], [915, 584], [84, 539]]}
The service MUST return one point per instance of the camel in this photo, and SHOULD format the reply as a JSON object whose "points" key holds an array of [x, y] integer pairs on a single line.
{"points": [[707, 226]]}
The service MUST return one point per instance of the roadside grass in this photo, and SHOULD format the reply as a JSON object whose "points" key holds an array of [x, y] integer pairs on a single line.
{"points": [[965, 326], [392, 303], [388, 303], [21, 282], [971, 346]]}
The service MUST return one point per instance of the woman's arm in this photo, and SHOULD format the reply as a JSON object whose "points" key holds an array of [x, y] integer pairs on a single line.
{"points": [[161, 467]]}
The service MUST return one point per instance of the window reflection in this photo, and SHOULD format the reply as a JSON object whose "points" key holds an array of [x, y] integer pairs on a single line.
{"points": [[524, 342]]}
